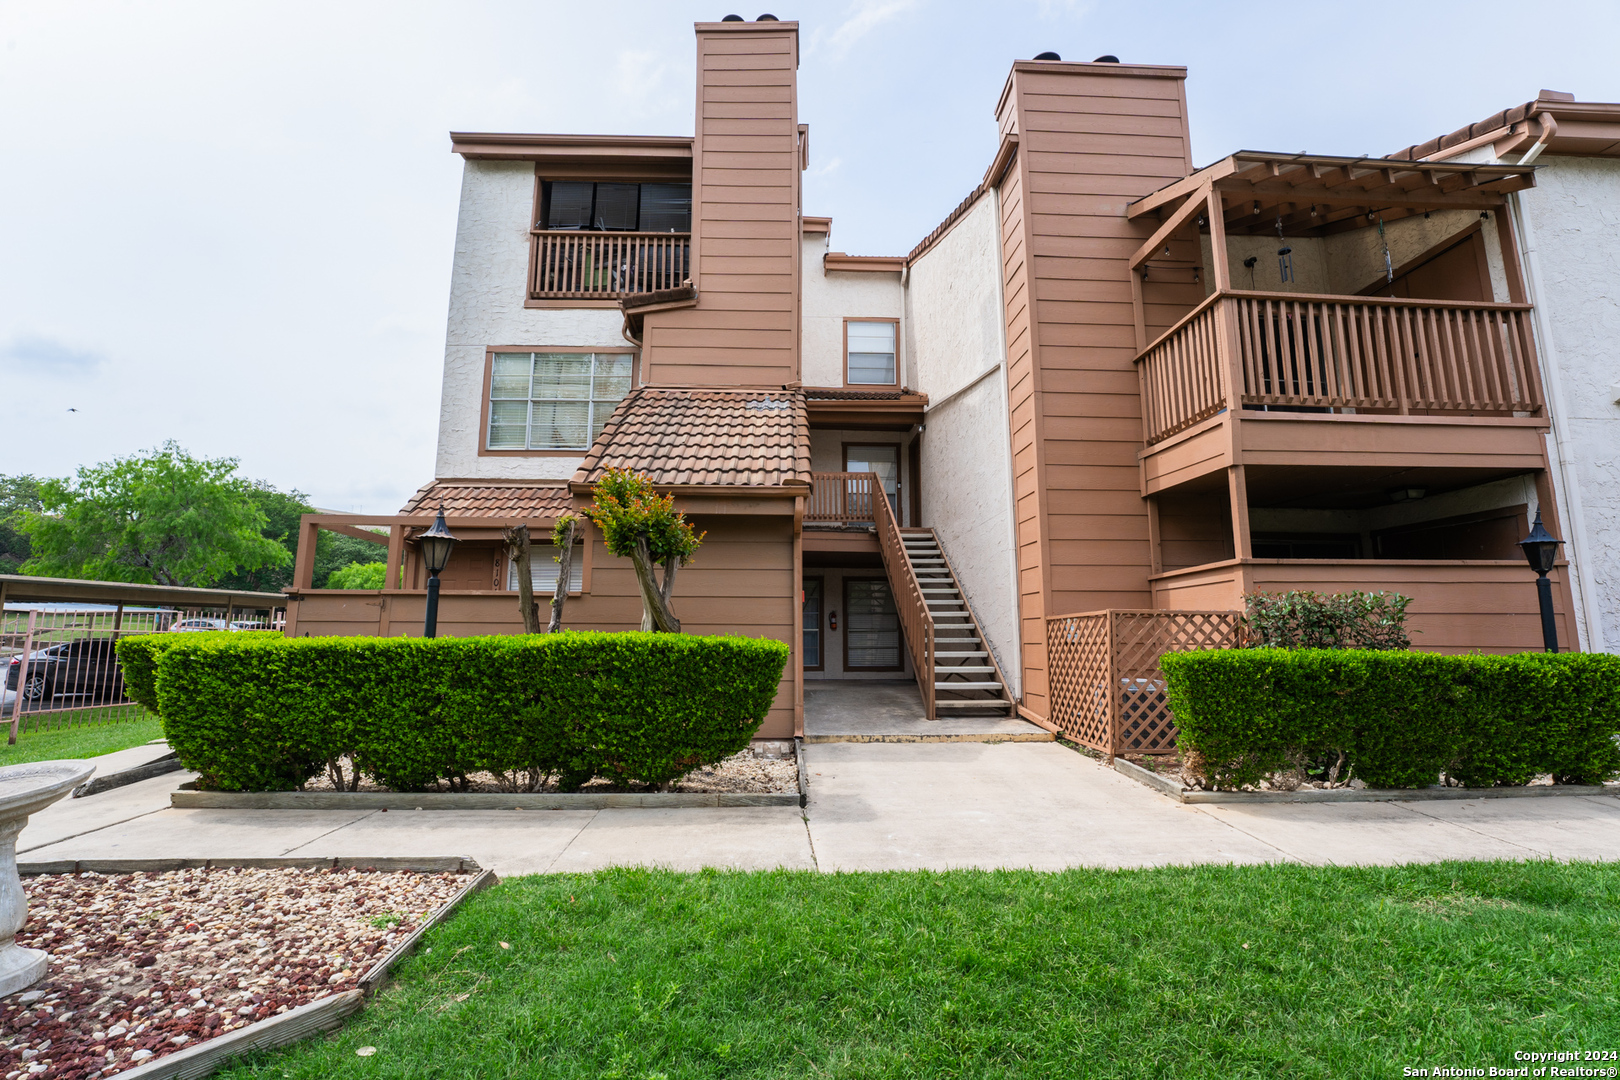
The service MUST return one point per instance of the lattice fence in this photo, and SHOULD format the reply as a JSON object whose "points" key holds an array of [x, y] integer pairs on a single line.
{"points": [[1107, 689]]}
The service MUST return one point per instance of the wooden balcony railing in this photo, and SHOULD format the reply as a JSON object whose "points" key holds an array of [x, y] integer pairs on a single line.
{"points": [[1340, 353], [570, 265], [916, 623], [842, 497]]}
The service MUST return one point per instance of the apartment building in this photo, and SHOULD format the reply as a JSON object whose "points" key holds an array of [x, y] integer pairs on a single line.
{"points": [[1109, 380]]}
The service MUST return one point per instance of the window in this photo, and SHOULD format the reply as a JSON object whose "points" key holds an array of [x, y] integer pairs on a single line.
{"points": [[869, 352], [812, 624], [543, 568], [613, 206], [554, 401], [872, 627]]}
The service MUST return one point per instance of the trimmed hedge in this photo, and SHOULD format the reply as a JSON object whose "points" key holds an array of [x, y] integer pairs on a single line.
{"points": [[1400, 719], [266, 714], [138, 657]]}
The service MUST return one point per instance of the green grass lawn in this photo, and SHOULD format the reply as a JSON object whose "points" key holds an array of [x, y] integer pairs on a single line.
{"points": [[83, 739], [1181, 972]]}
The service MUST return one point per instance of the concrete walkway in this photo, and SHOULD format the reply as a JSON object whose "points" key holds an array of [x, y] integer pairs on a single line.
{"points": [[873, 806], [887, 710]]}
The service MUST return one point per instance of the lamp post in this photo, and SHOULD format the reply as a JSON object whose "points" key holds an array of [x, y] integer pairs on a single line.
{"points": [[1541, 551], [436, 545]]}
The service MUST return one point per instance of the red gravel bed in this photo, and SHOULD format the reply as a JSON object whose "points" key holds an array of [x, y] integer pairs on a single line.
{"points": [[145, 964]]}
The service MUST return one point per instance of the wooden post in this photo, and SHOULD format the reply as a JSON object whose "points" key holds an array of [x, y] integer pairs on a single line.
{"points": [[309, 535], [1238, 489], [392, 561], [1509, 246]]}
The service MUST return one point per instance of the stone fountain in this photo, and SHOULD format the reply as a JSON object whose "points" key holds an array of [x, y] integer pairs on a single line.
{"points": [[24, 790]]}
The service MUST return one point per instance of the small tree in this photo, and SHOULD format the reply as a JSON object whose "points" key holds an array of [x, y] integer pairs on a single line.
{"points": [[640, 525]]}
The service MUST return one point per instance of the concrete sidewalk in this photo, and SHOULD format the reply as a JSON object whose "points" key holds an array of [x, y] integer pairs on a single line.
{"points": [[873, 806]]}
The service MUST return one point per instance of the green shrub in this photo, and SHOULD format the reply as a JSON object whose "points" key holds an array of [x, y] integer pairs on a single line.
{"points": [[1308, 620], [138, 656], [1399, 719], [359, 575], [267, 715]]}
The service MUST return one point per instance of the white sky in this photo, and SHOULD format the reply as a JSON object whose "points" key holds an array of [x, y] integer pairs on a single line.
{"points": [[231, 224]]}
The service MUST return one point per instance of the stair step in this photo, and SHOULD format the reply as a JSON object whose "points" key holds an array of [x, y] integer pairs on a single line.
{"points": [[938, 654], [961, 670], [982, 704], [991, 685]]}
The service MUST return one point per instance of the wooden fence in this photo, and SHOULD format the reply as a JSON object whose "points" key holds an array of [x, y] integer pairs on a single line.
{"points": [[1336, 353], [1107, 689], [606, 265]]}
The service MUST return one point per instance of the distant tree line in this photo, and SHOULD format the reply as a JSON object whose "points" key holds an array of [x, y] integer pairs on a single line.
{"points": [[164, 517]]}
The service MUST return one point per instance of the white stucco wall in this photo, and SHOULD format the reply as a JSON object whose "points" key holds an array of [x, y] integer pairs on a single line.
{"points": [[828, 299], [953, 327], [487, 288], [1571, 238]]}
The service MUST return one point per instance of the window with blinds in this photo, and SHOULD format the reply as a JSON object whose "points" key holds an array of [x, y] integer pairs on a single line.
{"points": [[543, 570], [872, 626], [870, 352], [613, 206], [554, 401]]}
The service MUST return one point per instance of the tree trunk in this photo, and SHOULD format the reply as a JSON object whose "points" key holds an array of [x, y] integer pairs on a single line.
{"points": [[655, 611], [518, 538], [565, 569]]}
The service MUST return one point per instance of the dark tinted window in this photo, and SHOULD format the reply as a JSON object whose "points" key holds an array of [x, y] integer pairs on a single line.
{"points": [[570, 205], [666, 207], [620, 207], [616, 206]]}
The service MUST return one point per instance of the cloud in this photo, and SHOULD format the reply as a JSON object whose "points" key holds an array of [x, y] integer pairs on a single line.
{"points": [[827, 169], [34, 355], [647, 82], [866, 17]]}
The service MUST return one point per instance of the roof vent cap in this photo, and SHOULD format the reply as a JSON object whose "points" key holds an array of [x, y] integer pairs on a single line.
{"points": [[1048, 56], [733, 18], [767, 18], [1106, 58]]}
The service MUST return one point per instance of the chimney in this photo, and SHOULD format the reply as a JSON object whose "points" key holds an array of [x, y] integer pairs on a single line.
{"points": [[745, 216]]}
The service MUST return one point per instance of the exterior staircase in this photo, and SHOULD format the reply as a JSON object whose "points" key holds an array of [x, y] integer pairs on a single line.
{"points": [[965, 680]]}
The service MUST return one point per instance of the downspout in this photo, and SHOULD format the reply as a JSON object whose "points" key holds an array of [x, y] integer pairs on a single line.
{"points": [[1549, 128], [1591, 621]]}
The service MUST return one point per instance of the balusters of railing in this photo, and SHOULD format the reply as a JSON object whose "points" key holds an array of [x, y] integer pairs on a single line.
{"points": [[915, 621]]}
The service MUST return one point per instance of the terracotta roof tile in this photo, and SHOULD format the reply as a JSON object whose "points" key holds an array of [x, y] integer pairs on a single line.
{"points": [[746, 438], [517, 502], [824, 393]]}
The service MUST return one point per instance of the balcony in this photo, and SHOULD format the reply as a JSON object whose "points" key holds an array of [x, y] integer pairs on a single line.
{"points": [[841, 499], [580, 265], [1339, 354]]}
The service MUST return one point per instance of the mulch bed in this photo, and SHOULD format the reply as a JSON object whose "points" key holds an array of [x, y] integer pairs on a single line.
{"points": [[145, 964], [748, 772]]}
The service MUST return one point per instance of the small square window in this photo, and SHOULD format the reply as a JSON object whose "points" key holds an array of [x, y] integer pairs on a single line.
{"points": [[870, 350]]}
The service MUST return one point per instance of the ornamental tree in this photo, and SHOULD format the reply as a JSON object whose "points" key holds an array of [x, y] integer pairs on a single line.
{"points": [[643, 526]]}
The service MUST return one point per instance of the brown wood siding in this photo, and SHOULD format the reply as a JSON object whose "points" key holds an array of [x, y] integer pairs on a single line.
{"points": [[744, 330], [1026, 450], [742, 582], [1092, 137], [1457, 606]]}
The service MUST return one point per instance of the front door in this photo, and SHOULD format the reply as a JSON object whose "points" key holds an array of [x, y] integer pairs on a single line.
{"points": [[881, 458]]}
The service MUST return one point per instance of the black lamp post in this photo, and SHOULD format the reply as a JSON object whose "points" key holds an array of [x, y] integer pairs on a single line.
{"points": [[1541, 551], [436, 545]]}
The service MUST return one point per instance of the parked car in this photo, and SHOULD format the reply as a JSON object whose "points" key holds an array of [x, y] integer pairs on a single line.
{"points": [[84, 668], [186, 626], [250, 624]]}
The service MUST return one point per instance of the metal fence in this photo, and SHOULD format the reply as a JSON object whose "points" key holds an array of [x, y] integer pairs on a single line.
{"points": [[61, 663], [1107, 689]]}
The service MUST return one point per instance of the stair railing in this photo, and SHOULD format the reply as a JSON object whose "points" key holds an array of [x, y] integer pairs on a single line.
{"points": [[916, 624]]}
